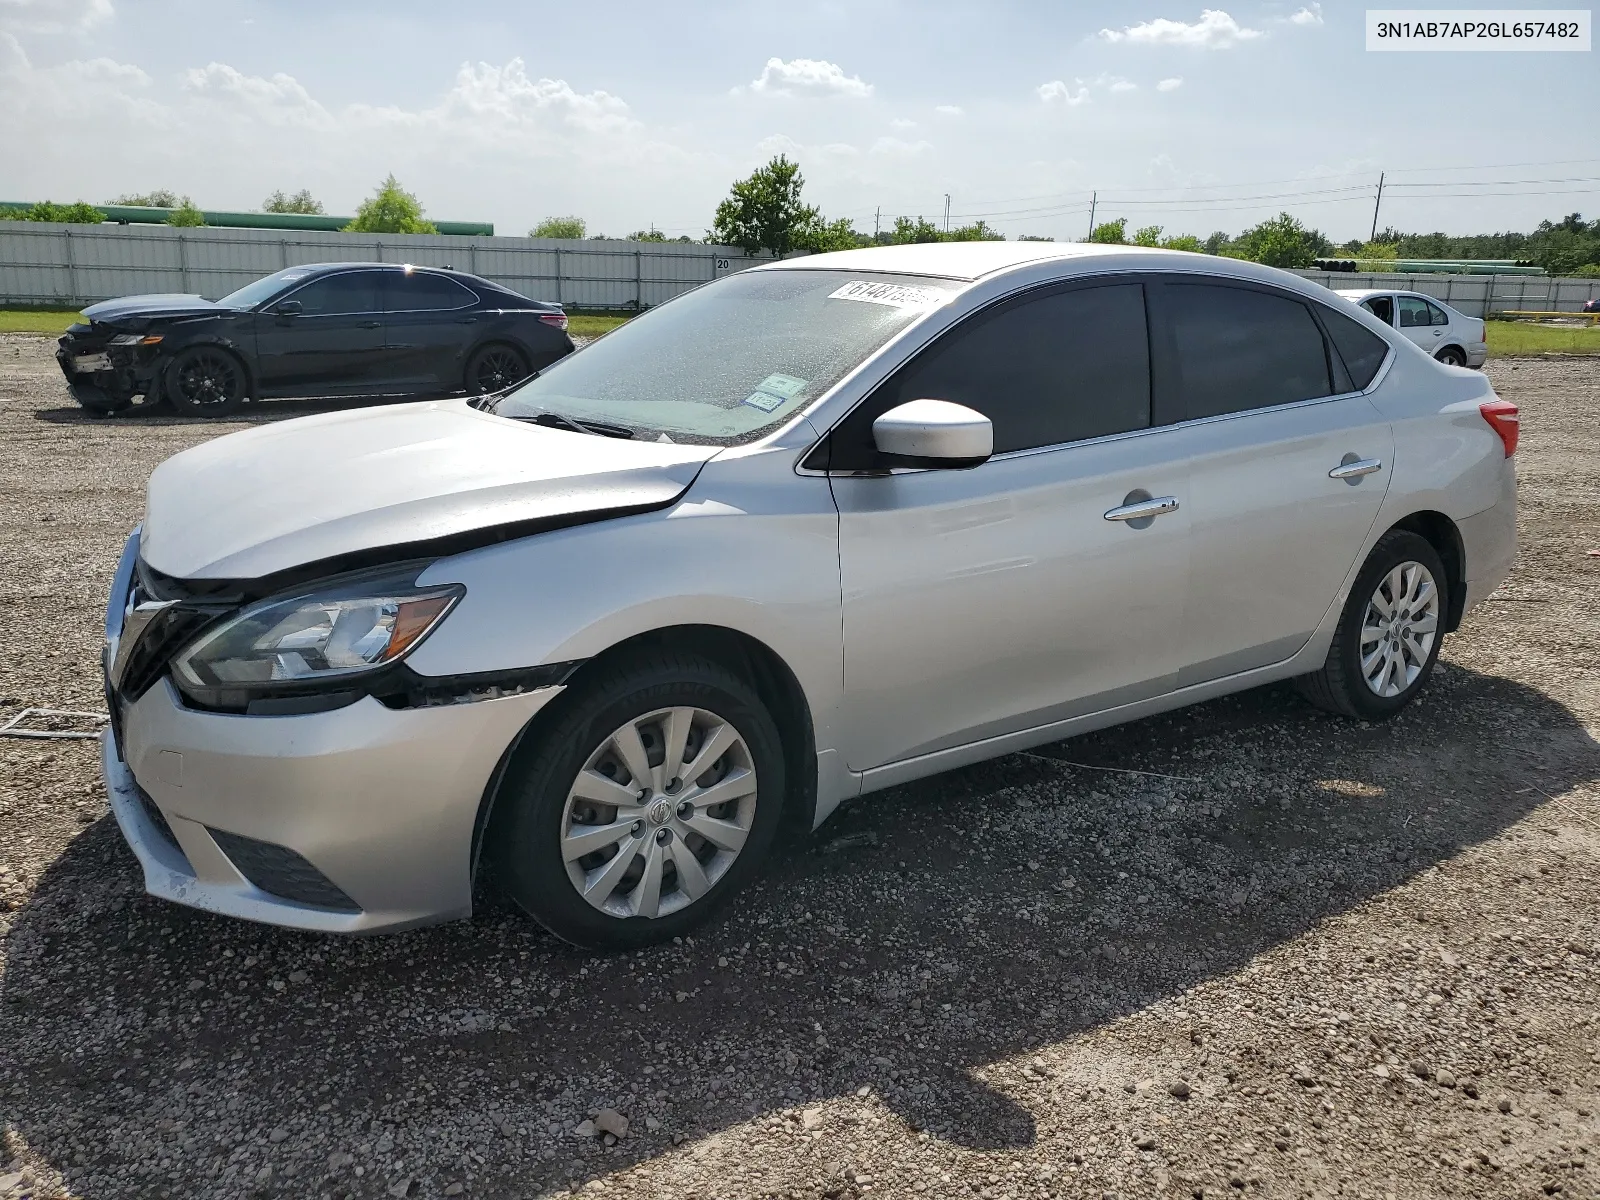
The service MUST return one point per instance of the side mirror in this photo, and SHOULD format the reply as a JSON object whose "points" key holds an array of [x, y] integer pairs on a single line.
{"points": [[289, 308], [934, 434]]}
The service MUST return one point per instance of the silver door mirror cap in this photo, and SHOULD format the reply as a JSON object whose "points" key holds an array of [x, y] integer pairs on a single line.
{"points": [[937, 434]]}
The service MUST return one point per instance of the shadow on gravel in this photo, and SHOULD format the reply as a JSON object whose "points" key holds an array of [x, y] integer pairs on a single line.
{"points": [[946, 939]]}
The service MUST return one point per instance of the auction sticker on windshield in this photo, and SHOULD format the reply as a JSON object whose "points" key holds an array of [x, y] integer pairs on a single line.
{"points": [[895, 295], [773, 391]]}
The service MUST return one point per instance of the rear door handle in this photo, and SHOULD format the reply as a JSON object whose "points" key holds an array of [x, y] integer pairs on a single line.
{"points": [[1138, 511], [466, 320], [1354, 470], [372, 324]]}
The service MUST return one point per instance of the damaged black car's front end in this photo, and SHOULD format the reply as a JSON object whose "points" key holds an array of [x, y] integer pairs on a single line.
{"points": [[108, 368]]}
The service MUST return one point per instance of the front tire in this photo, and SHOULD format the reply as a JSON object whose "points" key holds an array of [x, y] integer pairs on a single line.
{"points": [[205, 381], [654, 796], [1389, 634]]}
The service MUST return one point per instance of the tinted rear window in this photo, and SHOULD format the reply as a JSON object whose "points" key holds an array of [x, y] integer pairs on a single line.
{"points": [[417, 291], [1240, 349], [1362, 350]]}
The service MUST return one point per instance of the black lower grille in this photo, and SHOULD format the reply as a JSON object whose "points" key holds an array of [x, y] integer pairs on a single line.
{"points": [[281, 872], [158, 818]]}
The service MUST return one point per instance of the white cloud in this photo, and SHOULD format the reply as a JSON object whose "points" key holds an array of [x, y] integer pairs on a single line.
{"points": [[280, 99], [1311, 15], [1215, 30], [949, 110], [896, 147], [1170, 85], [1124, 85], [53, 16], [902, 123], [808, 77], [1057, 91]]}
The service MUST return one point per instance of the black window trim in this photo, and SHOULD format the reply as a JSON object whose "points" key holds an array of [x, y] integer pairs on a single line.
{"points": [[1163, 353], [300, 287]]}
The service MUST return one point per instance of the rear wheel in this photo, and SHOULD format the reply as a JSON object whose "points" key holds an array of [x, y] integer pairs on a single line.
{"points": [[495, 367], [1389, 634], [205, 381], [651, 800], [1452, 356]]}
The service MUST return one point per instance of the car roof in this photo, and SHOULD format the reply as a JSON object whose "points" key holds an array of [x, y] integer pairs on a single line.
{"points": [[1363, 293], [330, 267], [972, 261]]}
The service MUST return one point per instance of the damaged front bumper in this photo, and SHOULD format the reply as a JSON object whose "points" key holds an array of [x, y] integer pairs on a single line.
{"points": [[105, 372]]}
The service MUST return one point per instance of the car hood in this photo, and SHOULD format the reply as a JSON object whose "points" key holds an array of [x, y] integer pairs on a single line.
{"points": [[364, 481], [144, 307]]}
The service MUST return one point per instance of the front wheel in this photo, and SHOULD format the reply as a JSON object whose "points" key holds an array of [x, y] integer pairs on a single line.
{"points": [[649, 802], [205, 381], [1388, 637]]}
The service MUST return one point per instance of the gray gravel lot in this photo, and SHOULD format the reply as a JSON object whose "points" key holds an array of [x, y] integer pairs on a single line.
{"points": [[1303, 957]]}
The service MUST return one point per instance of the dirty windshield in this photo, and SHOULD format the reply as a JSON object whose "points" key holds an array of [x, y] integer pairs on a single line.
{"points": [[732, 360]]}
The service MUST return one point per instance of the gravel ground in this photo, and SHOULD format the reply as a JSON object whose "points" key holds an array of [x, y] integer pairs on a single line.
{"points": [[1301, 957]]}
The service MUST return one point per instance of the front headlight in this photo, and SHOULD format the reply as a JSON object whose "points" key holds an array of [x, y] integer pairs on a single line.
{"points": [[136, 339], [326, 635]]}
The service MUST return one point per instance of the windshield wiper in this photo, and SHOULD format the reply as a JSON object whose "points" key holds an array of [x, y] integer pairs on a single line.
{"points": [[556, 420]]}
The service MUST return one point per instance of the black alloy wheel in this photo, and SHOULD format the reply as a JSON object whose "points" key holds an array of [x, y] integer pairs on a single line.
{"points": [[496, 367], [205, 381]]}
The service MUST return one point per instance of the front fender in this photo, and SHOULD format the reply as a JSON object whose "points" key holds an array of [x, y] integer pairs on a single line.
{"points": [[752, 547]]}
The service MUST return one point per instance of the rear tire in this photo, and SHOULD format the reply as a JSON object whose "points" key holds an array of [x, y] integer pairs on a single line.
{"points": [[492, 368], [1389, 634], [205, 381], [553, 803], [1452, 356]]}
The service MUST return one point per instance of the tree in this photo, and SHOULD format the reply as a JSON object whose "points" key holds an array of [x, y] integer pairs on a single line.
{"points": [[822, 237], [1216, 243], [978, 231], [1183, 241], [1282, 242], [391, 209], [908, 232], [764, 211], [160, 198], [646, 235], [1150, 235], [560, 227], [1114, 232], [81, 213], [301, 202], [185, 214], [1378, 250], [1030, 237]]}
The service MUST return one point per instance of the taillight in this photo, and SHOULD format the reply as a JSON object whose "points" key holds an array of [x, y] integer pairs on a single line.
{"points": [[559, 320], [1504, 419]]}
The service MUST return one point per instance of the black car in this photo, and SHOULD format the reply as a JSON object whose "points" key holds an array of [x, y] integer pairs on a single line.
{"points": [[326, 329]]}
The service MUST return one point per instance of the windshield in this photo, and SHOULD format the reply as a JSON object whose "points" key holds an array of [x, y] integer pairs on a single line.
{"points": [[252, 294], [729, 361]]}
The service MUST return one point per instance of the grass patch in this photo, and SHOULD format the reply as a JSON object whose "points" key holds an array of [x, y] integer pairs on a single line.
{"points": [[591, 326], [30, 320], [1525, 337]]}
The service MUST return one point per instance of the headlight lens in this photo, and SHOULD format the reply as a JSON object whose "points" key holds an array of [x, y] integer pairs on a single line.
{"points": [[306, 639], [135, 339]]}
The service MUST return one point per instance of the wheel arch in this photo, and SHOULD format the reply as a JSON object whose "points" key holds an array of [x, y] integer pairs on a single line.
{"points": [[747, 656], [1461, 350], [213, 341], [1441, 533]]}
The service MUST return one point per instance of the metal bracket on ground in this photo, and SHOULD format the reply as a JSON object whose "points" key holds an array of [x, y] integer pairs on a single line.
{"points": [[17, 726]]}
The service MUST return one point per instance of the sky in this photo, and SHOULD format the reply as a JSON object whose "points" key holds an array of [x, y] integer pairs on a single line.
{"points": [[635, 115]]}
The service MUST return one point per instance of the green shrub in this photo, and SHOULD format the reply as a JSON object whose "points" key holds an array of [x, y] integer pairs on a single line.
{"points": [[391, 209], [560, 227]]}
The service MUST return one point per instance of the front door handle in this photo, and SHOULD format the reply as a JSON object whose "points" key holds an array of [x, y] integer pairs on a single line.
{"points": [[372, 324], [1141, 510], [1356, 469], [466, 320]]}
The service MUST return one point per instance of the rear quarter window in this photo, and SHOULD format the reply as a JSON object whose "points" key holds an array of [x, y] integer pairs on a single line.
{"points": [[1362, 350]]}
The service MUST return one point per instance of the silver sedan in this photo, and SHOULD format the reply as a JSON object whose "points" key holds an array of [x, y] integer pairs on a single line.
{"points": [[810, 531]]}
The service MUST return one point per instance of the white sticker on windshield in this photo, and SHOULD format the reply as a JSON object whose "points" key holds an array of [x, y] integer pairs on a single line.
{"points": [[773, 391], [895, 295]]}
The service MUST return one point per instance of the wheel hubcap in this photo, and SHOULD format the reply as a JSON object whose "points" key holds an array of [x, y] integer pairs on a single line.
{"points": [[634, 844], [206, 381], [498, 371], [1398, 629]]}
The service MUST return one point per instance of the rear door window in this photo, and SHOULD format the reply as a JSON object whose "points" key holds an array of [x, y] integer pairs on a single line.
{"points": [[1362, 350], [1414, 313], [1238, 348], [418, 291], [1045, 369], [1437, 315]]}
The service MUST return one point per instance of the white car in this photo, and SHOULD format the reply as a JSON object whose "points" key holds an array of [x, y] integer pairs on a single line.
{"points": [[1449, 336], [809, 531]]}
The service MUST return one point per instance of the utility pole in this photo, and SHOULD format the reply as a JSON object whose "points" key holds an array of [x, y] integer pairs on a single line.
{"points": [[877, 223], [1094, 198], [947, 212], [1375, 205]]}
